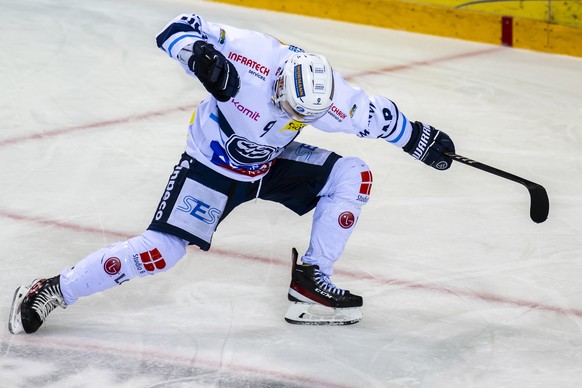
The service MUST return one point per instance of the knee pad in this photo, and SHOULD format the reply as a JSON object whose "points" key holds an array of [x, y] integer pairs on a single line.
{"points": [[147, 254], [350, 180]]}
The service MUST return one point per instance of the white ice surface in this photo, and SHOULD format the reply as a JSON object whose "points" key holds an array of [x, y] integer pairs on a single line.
{"points": [[461, 288]]}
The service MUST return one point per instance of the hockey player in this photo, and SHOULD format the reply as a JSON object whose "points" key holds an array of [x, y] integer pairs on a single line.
{"points": [[241, 146]]}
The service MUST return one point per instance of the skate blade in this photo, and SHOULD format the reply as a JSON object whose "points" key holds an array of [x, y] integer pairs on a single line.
{"points": [[300, 313], [15, 319]]}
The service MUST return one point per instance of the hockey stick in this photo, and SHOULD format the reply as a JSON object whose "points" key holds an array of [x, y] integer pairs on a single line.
{"points": [[540, 204]]}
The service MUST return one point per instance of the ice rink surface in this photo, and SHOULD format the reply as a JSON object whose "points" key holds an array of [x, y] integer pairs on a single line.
{"points": [[461, 288]]}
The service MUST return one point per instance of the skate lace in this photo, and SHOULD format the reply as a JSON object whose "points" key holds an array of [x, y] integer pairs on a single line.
{"points": [[322, 281], [47, 300]]}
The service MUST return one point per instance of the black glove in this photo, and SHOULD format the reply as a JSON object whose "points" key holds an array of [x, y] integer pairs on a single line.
{"points": [[429, 145], [217, 74]]}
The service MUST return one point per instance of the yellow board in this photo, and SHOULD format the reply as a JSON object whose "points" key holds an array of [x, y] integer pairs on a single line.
{"points": [[568, 13], [394, 14], [443, 19]]}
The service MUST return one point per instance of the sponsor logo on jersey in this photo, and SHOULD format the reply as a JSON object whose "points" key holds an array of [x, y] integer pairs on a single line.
{"points": [[222, 36], [260, 76], [220, 158], [256, 66], [294, 126], [337, 113], [346, 220], [353, 110], [245, 152], [246, 111], [152, 260], [199, 210]]}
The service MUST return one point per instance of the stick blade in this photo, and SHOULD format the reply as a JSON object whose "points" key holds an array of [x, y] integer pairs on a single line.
{"points": [[540, 203]]}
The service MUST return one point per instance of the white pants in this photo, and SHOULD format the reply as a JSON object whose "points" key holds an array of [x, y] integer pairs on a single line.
{"points": [[346, 190]]}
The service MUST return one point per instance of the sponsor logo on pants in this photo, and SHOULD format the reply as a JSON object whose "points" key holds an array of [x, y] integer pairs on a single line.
{"points": [[346, 220], [152, 260], [112, 266]]}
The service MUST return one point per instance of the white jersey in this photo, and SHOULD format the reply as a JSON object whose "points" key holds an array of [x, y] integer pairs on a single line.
{"points": [[241, 137]]}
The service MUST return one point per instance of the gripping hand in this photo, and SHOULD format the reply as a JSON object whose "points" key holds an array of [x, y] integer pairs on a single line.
{"points": [[429, 145], [217, 74]]}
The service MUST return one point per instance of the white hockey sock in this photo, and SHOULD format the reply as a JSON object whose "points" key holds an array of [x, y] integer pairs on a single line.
{"points": [[346, 191], [147, 254]]}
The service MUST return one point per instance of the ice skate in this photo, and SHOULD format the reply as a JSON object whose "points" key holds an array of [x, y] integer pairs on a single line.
{"points": [[315, 300], [32, 304]]}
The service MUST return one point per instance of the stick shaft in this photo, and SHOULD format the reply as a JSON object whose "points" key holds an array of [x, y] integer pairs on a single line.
{"points": [[489, 169]]}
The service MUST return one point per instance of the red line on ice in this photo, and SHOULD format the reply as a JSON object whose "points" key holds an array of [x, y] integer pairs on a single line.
{"points": [[410, 65], [149, 115], [163, 357], [490, 298], [99, 124]]}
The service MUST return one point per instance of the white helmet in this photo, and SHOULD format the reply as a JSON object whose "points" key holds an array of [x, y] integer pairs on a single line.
{"points": [[304, 90]]}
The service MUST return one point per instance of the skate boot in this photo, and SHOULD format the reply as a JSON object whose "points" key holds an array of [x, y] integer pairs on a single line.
{"points": [[32, 304], [315, 300]]}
